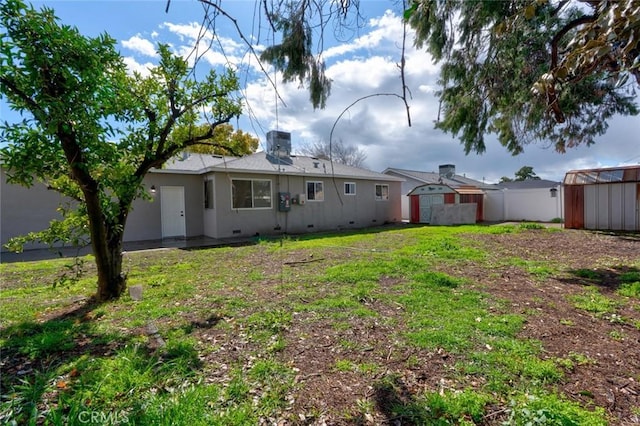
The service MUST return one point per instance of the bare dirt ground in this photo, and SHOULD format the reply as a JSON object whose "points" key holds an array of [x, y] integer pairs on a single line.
{"points": [[612, 380], [607, 374], [609, 377]]}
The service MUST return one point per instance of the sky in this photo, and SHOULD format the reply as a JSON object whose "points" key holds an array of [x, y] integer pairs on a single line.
{"points": [[361, 63]]}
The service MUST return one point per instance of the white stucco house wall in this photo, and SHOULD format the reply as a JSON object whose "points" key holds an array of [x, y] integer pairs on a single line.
{"points": [[267, 193]]}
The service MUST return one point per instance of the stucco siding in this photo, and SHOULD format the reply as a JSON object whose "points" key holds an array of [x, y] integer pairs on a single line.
{"points": [[336, 211], [24, 210], [145, 219]]}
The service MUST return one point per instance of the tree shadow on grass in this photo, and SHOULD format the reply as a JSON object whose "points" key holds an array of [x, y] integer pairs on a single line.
{"points": [[55, 368], [606, 278], [33, 354], [394, 399]]}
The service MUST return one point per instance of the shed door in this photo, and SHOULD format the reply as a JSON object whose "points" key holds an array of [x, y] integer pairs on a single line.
{"points": [[426, 201], [574, 206], [172, 211]]}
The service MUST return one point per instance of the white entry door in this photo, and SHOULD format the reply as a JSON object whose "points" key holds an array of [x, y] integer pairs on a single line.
{"points": [[172, 211]]}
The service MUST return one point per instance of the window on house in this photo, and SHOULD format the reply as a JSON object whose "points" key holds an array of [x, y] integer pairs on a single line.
{"points": [[208, 194], [315, 191], [349, 188], [382, 192], [251, 194]]}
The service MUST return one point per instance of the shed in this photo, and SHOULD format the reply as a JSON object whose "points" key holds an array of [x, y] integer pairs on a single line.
{"points": [[604, 198], [440, 204]]}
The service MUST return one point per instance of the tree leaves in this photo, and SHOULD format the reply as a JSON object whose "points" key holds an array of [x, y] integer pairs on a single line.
{"points": [[92, 131], [224, 140], [499, 76], [294, 56]]}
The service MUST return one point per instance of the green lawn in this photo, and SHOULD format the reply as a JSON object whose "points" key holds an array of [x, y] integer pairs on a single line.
{"points": [[237, 324]]}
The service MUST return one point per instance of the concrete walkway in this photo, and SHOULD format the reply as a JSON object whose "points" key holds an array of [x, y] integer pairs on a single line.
{"points": [[132, 246]]}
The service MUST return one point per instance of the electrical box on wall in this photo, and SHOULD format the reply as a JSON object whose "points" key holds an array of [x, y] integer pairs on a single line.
{"points": [[284, 201], [302, 198]]}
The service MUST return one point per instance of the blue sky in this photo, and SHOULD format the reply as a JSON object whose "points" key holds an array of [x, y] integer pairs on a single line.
{"points": [[361, 63]]}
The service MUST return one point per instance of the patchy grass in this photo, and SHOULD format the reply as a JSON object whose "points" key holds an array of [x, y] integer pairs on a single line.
{"points": [[392, 325]]}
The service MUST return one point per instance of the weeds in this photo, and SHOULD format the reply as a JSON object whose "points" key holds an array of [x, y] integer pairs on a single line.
{"points": [[237, 332]]}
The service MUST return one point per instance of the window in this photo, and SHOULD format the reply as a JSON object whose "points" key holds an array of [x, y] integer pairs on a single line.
{"points": [[611, 175], [251, 194], [349, 188], [382, 192], [208, 194], [315, 191]]}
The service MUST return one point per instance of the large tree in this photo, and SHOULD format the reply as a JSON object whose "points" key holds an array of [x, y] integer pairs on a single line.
{"points": [[226, 141], [526, 173], [90, 130], [526, 70], [337, 151]]}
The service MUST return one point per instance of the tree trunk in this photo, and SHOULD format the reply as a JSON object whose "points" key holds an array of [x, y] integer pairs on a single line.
{"points": [[111, 280], [106, 241]]}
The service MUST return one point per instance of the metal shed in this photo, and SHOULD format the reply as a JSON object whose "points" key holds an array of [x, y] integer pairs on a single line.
{"points": [[605, 198], [443, 205]]}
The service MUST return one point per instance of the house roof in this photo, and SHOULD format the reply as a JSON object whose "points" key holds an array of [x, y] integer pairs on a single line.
{"points": [[456, 181], [196, 164], [528, 184], [264, 163]]}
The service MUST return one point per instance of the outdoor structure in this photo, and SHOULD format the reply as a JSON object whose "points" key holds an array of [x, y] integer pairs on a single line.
{"points": [[266, 193], [532, 199], [606, 199], [443, 205], [446, 175]]}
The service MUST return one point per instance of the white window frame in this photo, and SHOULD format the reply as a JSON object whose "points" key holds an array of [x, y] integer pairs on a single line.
{"points": [[381, 197], [348, 185], [253, 196], [318, 196]]}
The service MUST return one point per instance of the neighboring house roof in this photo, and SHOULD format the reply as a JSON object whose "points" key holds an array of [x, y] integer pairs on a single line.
{"points": [[264, 163], [430, 188], [455, 181], [528, 184]]}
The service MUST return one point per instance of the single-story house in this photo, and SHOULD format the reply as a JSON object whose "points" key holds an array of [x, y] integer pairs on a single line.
{"points": [[446, 175], [266, 193], [439, 204], [535, 199], [604, 198]]}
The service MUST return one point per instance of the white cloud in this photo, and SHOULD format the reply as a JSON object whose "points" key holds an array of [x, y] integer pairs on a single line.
{"points": [[379, 124], [135, 66], [141, 46], [386, 27], [365, 66], [214, 49]]}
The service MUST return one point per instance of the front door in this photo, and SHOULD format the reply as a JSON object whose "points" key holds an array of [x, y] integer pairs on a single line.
{"points": [[172, 211]]}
